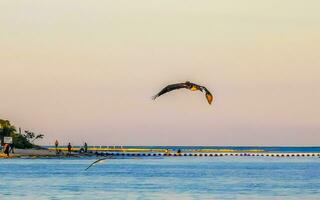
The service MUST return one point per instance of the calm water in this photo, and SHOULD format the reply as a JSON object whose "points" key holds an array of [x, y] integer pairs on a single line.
{"points": [[161, 178], [241, 148]]}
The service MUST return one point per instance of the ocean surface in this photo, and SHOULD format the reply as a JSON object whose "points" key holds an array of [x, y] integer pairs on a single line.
{"points": [[161, 178], [273, 149], [241, 148]]}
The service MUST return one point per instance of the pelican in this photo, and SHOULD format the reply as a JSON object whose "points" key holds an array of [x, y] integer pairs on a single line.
{"points": [[186, 85]]}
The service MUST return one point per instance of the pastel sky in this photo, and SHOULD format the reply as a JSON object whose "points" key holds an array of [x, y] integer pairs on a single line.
{"points": [[81, 70]]}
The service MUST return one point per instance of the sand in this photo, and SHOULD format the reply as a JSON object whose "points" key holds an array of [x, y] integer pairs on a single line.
{"points": [[29, 153]]}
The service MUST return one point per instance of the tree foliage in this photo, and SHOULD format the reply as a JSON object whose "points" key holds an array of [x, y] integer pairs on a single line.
{"points": [[22, 141], [31, 136], [6, 129]]}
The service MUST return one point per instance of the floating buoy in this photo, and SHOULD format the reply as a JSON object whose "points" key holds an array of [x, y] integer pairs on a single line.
{"points": [[204, 154]]}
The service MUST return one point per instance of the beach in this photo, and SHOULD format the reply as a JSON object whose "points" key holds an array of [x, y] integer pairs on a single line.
{"points": [[30, 153]]}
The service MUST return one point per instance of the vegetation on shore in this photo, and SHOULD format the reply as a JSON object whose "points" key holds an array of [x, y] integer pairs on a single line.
{"points": [[20, 140]]}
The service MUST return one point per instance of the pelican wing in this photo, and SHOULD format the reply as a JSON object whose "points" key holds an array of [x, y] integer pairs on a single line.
{"points": [[170, 88], [95, 162], [208, 94]]}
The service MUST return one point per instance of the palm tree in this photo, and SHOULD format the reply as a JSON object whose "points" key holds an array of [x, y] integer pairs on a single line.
{"points": [[20, 140], [6, 129]]}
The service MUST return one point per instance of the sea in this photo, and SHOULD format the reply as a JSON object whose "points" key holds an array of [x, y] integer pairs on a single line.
{"points": [[271, 149], [163, 177]]}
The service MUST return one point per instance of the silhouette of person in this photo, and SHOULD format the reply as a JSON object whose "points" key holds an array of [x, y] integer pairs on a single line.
{"points": [[56, 143], [12, 148], [6, 149], [85, 147], [69, 148]]}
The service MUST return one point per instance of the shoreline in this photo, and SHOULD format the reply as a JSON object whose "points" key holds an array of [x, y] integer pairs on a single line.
{"points": [[37, 153], [137, 152], [160, 150]]}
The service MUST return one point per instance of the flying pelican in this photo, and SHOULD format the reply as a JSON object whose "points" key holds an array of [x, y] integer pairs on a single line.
{"points": [[96, 162], [187, 85]]}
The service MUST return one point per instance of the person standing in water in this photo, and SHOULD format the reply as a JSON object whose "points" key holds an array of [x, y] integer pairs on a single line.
{"points": [[69, 148]]}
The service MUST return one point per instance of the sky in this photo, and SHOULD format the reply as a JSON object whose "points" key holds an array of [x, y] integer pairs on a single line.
{"points": [[82, 70]]}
